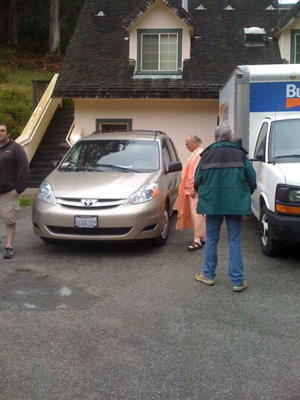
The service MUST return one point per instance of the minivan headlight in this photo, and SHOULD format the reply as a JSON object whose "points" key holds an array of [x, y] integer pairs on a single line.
{"points": [[142, 195], [294, 196], [46, 193]]}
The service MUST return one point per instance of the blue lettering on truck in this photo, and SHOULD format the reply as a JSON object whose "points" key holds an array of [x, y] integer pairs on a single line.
{"points": [[274, 96]]}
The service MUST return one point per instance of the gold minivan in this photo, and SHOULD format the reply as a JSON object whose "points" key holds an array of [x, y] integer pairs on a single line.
{"points": [[110, 186]]}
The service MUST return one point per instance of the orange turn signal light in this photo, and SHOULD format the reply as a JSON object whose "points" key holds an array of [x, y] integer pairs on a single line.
{"points": [[280, 208], [155, 193]]}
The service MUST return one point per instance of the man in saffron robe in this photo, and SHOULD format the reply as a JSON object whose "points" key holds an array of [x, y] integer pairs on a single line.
{"points": [[187, 199]]}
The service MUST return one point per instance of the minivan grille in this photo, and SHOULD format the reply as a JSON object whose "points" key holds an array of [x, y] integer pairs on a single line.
{"points": [[89, 231], [98, 203]]}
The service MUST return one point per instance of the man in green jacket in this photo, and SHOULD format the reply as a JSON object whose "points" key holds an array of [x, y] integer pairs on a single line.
{"points": [[224, 180]]}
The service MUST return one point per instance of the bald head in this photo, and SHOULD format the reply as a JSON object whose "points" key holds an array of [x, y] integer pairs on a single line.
{"points": [[192, 142]]}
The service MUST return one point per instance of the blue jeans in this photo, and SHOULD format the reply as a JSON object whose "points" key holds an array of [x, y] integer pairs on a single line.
{"points": [[234, 231]]}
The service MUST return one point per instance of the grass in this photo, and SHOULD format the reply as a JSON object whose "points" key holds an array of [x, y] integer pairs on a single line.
{"points": [[22, 80], [25, 202]]}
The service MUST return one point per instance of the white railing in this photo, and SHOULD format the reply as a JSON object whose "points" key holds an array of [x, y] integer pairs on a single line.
{"points": [[38, 123], [74, 135]]}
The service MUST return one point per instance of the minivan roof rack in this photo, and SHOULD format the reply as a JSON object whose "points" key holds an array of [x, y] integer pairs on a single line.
{"points": [[145, 131]]}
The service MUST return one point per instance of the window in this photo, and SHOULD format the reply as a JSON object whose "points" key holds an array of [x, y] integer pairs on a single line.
{"points": [[260, 150], [295, 46], [172, 150], [159, 51], [285, 139], [113, 124], [166, 156]]}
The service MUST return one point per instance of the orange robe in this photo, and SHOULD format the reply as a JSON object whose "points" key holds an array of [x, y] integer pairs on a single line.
{"points": [[182, 203]]}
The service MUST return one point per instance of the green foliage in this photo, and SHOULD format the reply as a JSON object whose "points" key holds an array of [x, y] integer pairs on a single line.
{"points": [[15, 109], [24, 202], [16, 88], [3, 75], [67, 103]]}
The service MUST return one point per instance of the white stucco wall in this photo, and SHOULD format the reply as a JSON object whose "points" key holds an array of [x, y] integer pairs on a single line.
{"points": [[157, 17], [284, 41], [178, 118]]}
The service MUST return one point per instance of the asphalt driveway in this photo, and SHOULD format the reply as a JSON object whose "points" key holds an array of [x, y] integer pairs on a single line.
{"points": [[128, 321]]}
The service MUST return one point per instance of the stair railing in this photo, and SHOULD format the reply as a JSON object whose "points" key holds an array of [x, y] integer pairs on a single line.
{"points": [[38, 123]]}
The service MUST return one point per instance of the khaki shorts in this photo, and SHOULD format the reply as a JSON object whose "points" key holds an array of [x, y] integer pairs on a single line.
{"points": [[9, 207]]}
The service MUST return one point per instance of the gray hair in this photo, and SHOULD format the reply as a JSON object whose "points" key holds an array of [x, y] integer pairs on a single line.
{"points": [[196, 138], [223, 132]]}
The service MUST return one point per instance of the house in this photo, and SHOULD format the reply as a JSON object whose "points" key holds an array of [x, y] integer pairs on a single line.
{"points": [[159, 64], [287, 32]]}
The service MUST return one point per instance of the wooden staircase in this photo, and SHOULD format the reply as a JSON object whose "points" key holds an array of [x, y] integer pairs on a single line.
{"points": [[52, 147]]}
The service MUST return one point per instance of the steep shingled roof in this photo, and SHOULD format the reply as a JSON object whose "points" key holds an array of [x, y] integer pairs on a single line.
{"points": [[96, 64], [287, 19]]}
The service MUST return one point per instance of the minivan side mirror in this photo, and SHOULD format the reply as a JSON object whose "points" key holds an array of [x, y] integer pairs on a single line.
{"points": [[174, 166], [54, 164]]}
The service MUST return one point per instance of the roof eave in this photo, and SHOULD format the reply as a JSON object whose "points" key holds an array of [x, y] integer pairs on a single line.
{"points": [[181, 13]]}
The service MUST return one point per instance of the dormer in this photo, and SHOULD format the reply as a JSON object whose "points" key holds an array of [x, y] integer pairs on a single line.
{"points": [[159, 40], [287, 32]]}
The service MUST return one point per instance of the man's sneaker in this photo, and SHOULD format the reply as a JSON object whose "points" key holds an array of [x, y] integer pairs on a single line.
{"points": [[8, 253], [240, 288], [207, 281]]}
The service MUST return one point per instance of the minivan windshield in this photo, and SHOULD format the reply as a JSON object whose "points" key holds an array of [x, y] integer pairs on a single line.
{"points": [[285, 141], [105, 155]]}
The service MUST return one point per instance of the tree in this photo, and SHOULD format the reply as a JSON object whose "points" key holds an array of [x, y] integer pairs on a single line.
{"points": [[33, 25], [12, 25], [54, 27]]}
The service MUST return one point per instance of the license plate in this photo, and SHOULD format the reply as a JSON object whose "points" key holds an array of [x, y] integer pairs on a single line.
{"points": [[86, 221]]}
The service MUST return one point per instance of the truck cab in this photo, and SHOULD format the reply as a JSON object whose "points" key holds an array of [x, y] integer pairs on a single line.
{"points": [[276, 202]]}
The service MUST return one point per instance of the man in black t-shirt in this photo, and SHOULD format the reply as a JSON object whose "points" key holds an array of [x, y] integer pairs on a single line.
{"points": [[14, 172]]}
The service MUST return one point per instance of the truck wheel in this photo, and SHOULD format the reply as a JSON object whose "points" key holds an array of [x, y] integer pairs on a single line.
{"points": [[165, 229], [270, 247]]}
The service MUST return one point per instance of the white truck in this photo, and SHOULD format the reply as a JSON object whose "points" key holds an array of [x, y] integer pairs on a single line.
{"points": [[261, 103]]}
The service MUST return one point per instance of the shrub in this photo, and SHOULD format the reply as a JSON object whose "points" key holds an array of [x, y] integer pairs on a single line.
{"points": [[15, 109], [3, 75]]}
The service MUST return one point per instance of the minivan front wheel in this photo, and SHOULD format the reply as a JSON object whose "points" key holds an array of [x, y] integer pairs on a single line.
{"points": [[165, 229], [270, 247]]}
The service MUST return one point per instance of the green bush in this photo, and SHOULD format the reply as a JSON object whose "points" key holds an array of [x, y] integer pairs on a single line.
{"points": [[15, 109], [3, 75]]}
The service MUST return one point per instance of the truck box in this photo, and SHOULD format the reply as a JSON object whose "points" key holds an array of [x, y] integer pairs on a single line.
{"points": [[261, 103]]}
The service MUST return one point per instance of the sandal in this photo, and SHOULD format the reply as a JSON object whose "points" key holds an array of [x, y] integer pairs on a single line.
{"points": [[195, 246]]}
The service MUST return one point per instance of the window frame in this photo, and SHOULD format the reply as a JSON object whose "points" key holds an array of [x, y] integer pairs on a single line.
{"points": [[112, 121], [141, 32], [295, 33], [261, 144]]}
